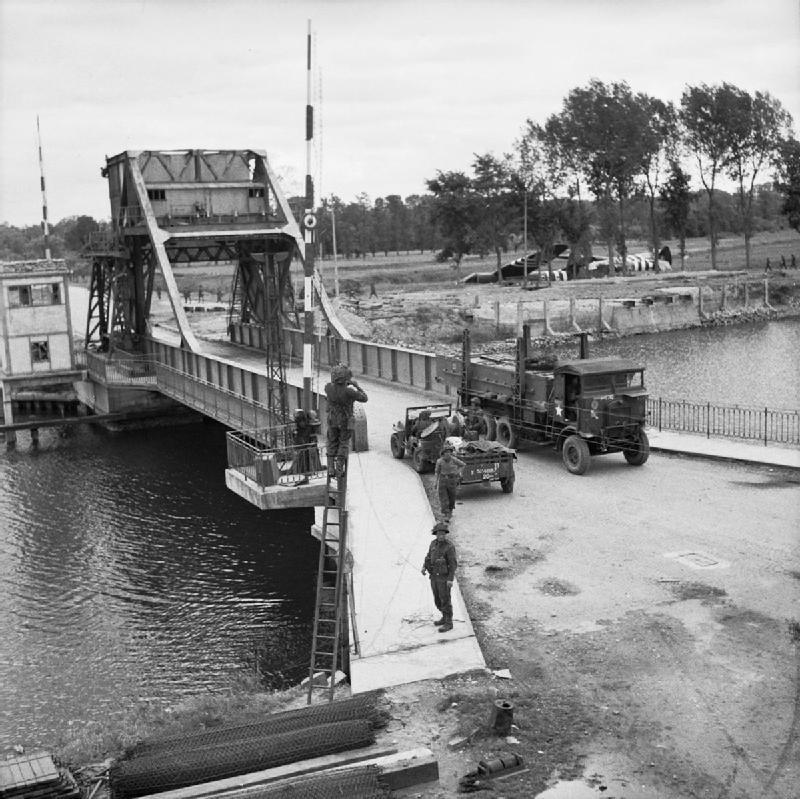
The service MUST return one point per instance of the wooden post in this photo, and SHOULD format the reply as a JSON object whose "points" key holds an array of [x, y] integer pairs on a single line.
{"points": [[497, 315], [519, 318]]}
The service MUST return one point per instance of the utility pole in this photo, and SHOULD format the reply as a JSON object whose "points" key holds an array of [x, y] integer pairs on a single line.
{"points": [[309, 223], [45, 226], [335, 254], [525, 231]]}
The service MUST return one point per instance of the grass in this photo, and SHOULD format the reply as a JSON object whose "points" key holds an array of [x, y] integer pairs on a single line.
{"points": [[244, 702]]}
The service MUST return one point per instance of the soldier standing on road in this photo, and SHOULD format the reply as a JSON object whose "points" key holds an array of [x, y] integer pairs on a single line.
{"points": [[448, 475], [440, 563], [341, 393]]}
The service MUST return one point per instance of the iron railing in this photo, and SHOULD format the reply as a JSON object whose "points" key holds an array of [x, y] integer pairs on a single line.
{"points": [[269, 457], [726, 421], [123, 369]]}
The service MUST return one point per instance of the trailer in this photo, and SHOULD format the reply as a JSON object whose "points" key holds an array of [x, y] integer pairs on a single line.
{"points": [[423, 433], [582, 408]]}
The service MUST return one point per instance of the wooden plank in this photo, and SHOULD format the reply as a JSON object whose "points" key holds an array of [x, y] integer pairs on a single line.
{"points": [[358, 757]]}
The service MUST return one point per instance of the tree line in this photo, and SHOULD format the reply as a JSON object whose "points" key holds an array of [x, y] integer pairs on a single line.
{"points": [[611, 156], [611, 165]]}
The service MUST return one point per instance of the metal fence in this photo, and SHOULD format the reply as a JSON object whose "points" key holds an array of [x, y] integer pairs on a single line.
{"points": [[269, 457], [124, 369], [726, 421]]}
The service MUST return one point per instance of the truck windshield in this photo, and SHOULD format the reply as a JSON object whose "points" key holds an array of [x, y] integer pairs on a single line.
{"points": [[615, 382]]}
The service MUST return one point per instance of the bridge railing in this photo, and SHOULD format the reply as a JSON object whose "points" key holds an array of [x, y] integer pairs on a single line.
{"points": [[726, 421], [270, 458], [369, 359], [124, 369]]}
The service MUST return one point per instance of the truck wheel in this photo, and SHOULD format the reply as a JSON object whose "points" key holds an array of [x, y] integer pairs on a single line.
{"points": [[419, 462], [398, 449], [639, 452], [575, 454], [491, 427], [507, 484], [505, 433]]}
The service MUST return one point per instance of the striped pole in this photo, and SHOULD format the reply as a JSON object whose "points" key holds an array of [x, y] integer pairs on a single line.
{"points": [[45, 226], [309, 222]]}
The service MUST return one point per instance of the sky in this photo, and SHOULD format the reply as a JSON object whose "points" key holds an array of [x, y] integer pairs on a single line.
{"points": [[402, 88]]}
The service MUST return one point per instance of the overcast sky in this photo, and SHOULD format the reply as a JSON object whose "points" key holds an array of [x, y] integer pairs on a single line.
{"points": [[404, 88]]}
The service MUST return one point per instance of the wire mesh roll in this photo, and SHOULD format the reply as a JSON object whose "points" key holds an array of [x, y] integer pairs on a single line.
{"points": [[362, 706], [360, 782], [147, 774]]}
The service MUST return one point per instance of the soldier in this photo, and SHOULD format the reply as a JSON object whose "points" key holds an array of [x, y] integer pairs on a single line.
{"points": [[474, 421], [341, 392], [448, 475], [440, 563]]}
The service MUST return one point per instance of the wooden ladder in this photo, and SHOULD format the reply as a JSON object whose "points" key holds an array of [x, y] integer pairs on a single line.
{"points": [[329, 641]]}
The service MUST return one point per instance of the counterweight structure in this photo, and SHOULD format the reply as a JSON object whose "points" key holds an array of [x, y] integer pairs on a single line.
{"points": [[183, 207]]}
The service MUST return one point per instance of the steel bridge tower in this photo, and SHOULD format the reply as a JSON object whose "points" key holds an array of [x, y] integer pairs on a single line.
{"points": [[181, 208]]}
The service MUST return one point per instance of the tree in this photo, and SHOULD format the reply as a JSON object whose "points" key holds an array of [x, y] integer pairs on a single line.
{"points": [[398, 223], [676, 199], [759, 125], [493, 188], [707, 113], [788, 180], [76, 231], [659, 141], [547, 174], [456, 211], [603, 128]]}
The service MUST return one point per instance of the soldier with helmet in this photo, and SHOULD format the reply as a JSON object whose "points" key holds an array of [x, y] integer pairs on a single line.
{"points": [[474, 421], [341, 393], [448, 471], [441, 563]]}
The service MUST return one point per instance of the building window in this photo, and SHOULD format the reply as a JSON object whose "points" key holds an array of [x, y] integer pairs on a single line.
{"points": [[257, 191], [40, 351], [156, 194], [19, 296], [38, 294]]}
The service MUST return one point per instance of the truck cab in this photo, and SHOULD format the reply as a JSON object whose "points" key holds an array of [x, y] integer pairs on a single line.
{"points": [[597, 406]]}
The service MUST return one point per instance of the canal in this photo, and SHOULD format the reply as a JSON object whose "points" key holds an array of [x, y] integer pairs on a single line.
{"points": [[130, 574]]}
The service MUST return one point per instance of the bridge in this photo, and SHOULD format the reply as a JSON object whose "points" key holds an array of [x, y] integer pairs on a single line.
{"points": [[188, 208]]}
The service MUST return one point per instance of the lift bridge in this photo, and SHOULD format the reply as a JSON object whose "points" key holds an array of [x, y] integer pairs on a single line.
{"points": [[184, 209]]}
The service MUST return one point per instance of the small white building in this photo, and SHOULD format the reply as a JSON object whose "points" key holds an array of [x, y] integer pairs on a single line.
{"points": [[35, 325], [36, 352]]}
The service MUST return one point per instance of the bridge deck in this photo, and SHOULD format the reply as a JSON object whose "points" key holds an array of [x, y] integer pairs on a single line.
{"points": [[390, 531]]}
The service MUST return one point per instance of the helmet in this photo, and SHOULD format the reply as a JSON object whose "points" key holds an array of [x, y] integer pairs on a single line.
{"points": [[341, 373], [440, 527], [448, 447]]}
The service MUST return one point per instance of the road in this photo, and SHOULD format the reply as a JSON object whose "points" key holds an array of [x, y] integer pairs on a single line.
{"points": [[658, 604]]}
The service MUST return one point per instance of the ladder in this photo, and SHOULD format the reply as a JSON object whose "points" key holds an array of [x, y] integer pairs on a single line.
{"points": [[329, 641]]}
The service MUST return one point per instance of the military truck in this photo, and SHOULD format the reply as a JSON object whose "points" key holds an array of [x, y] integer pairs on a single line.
{"points": [[582, 408]]}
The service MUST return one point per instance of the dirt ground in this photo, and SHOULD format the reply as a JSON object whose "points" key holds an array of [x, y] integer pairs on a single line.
{"points": [[631, 675]]}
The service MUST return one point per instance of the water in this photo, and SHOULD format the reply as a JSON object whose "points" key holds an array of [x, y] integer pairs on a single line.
{"points": [[129, 573], [751, 365]]}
